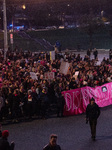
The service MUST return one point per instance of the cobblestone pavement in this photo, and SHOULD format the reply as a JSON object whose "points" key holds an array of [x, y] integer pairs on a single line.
{"points": [[73, 133]]}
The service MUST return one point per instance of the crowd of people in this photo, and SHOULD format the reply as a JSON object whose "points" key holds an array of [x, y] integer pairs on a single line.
{"points": [[23, 96]]}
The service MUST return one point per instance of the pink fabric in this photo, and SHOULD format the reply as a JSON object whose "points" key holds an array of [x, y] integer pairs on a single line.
{"points": [[9, 63], [42, 62], [1, 85], [77, 100]]}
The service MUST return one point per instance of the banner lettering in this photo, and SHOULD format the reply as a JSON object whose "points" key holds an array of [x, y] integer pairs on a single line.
{"points": [[77, 99]]}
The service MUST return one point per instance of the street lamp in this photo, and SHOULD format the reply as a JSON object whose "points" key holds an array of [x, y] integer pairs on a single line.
{"points": [[23, 6], [5, 29]]}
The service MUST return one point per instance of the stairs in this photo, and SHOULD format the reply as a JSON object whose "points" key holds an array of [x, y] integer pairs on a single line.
{"points": [[41, 42]]}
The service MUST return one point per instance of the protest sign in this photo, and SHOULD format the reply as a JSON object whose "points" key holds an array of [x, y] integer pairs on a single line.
{"points": [[76, 75], [98, 63], [49, 75], [64, 67], [77, 99], [52, 55], [33, 75]]}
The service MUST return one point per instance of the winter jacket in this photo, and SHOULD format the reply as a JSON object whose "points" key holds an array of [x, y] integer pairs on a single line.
{"points": [[92, 111]]}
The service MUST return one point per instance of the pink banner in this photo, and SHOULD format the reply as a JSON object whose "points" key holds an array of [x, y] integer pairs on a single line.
{"points": [[77, 100], [1, 85]]}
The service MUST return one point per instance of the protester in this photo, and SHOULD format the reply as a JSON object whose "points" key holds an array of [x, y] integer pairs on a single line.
{"points": [[44, 102], [95, 53], [52, 143], [1, 106], [92, 114], [4, 144], [73, 84], [15, 75], [89, 52], [29, 104], [60, 102], [16, 112], [0, 130], [110, 54]]}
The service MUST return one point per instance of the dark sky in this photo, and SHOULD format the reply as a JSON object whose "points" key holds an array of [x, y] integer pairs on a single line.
{"points": [[102, 2], [43, 1], [105, 5], [8, 2], [36, 1]]}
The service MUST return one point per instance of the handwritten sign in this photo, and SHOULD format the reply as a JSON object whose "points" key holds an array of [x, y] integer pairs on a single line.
{"points": [[64, 67], [49, 75], [33, 75]]}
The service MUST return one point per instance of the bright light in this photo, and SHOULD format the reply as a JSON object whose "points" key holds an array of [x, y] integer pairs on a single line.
{"points": [[18, 28], [24, 7], [11, 25]]}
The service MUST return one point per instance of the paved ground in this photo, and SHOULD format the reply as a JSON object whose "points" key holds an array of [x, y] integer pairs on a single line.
{"points": [[73, 133], [101, 54]]}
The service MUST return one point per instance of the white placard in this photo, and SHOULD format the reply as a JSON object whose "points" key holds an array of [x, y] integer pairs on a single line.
{"points": [[52, 55], [49, 75], [64, 67], [33, 75]]}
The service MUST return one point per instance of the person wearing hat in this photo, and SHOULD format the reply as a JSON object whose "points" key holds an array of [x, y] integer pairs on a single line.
{"points": [[4, 144], [92, 114], [52, 145]]}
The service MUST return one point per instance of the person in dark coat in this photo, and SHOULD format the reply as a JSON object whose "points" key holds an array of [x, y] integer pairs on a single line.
{"points": [[95, 53], [92, 114], [73, 84], [29, 105], [0, 130], [15, 106], [110, 54], [44, 102], [22, 100], [1, 106], [4, 144], [35, 100], [10, 101], [89, 52], [60, 102], [52, 143]]}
